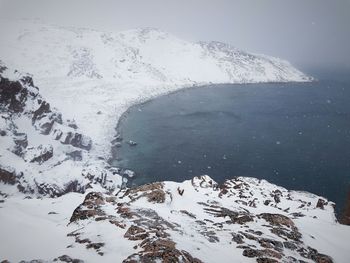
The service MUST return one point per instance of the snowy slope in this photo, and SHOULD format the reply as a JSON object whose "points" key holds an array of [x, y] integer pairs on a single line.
{"points": [[243, 220]]}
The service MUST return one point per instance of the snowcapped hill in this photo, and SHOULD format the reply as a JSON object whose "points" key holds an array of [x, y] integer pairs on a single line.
{"points": [[141, 55]]}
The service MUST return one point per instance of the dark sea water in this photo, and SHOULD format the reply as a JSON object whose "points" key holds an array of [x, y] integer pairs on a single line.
{"points": [[296, 135]]}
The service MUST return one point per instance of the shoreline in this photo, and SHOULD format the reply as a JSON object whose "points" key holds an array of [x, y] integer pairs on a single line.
{"points": [[125, 114]]}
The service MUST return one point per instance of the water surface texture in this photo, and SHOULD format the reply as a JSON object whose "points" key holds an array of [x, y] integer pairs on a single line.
{"points": [[296, 135]]}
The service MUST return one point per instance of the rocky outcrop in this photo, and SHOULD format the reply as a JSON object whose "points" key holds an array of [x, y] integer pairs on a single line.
{"points": [[149, 216], [21, 96], [345, 216], [161, 250], [38, 154], [33, 130], [13, 95], [8, 177]]}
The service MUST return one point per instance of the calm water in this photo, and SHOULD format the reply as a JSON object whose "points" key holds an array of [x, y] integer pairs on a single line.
{"points": [[294, 135]]}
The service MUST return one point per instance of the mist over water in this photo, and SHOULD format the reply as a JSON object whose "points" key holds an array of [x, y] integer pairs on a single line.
{"points": [[296, 135]]}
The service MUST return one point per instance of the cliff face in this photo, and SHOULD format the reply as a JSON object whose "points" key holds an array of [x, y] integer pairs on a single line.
{"points": [[345, 217], [41, 151]]}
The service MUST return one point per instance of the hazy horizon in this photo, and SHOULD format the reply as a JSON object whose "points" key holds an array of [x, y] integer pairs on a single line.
{"points": [[312, 33]]}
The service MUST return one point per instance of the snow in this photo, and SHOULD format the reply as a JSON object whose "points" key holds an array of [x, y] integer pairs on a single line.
{"points": [[93, 77], [30, 217]]}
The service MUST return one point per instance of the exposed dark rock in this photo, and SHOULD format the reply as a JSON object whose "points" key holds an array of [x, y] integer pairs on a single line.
{"points": [[89, 208], [238, 238], [240, 217], [68, 259], [180, 191], [270, 243], [8, 177], [95, 246], [77, 140], [153, 192], [289, 245], [188, 213], [136, 233], [162, 250], [345, 217], [251, 253], [13, 95], [39, 154], [266, 260], [316, 257], [75, 155], [321, 203], [156, 196], [43, 108], [21, 142], [277, 219]]}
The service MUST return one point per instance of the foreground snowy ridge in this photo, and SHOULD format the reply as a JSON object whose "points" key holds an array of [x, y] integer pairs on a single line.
{"points": [[243, 220]]}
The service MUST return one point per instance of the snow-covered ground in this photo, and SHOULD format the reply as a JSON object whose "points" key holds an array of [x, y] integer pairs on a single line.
{"points": [[242, 220], [56, 140]]}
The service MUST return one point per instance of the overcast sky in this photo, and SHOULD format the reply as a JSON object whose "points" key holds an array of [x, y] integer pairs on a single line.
{"points": [[306, 32]]}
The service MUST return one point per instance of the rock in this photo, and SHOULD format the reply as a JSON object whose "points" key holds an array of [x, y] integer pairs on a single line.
{"points": [[180, 191], [75, 155], [238, 238], [8, 177], [321, 203], [188, 214], [76, 140], [277, 219], [44, 118], [68, 259], [345, 216], [95, 246], [136, 233], [161, 250], [89, 208], [21, 142], [13, 95], [266, 260], [38, 154], [153, 192], [72, 124], [156, 196], [251, 253]]}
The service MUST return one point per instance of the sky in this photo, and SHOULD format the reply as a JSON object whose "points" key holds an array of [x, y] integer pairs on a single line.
{"points": [[308, 33]]}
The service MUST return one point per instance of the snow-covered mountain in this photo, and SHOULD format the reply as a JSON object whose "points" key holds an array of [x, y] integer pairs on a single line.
{"points": [[56, 129], [144, 55]]}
